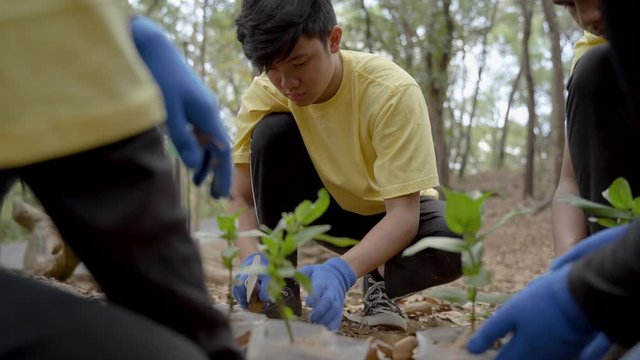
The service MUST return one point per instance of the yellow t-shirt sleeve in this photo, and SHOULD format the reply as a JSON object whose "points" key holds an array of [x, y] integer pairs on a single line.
{"points": [[402, 140], [259, 100]]}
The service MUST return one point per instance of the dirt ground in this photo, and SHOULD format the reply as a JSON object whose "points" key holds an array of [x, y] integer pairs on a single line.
{"points": [[515, 254]]}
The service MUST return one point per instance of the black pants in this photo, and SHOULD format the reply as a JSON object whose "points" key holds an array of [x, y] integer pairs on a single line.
{"points": [[283, 175], [40, 322], [602, 134], [118, 208]]}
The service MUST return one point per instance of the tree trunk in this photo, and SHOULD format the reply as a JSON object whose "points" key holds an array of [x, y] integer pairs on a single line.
{"points": [[557, 89], [505, 127], [527, 12], [152, 7], [457, 125], [367, 32], [474, 103], [437, 64]]}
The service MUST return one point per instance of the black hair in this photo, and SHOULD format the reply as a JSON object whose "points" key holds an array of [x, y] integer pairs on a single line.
{"points": [[270, 29]]}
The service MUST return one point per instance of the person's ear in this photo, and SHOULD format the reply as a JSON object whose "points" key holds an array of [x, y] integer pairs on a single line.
{"points": [[335, 36]]}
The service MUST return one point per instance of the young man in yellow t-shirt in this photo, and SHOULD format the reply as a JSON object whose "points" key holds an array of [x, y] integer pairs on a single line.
{"points": [[354, 123], [601, 135], [79, 112]]}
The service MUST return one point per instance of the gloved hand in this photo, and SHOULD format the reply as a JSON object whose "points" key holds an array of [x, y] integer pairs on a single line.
{"points": [[597, 348], [591, 243], [331, 281], [545, 320], [240, 288], [190, 106]]}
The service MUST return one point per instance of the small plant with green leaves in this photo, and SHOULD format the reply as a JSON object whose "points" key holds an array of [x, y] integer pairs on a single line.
{"points": [[623, 209], [463, 214], [292, 231], [228, 225]]}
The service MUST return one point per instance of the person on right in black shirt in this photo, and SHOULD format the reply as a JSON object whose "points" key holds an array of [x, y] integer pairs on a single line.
{"points": [[592, 292], [600, 133]]}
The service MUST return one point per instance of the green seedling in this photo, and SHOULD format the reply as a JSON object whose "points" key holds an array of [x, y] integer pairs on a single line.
{"points": [[292, 231], [463, 214], [228, 224], [624, 207]]}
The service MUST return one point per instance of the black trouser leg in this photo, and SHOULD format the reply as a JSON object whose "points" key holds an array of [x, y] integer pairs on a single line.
{"points": [[404, 275], [429, 267], [283, 175], [40, 322], [280, 173], [601, 132], [118, 208]]}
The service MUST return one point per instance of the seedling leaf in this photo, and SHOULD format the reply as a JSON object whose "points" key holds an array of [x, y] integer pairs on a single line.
{"points": [[336, 241], [594, 208], [494, 298], [310, 212], [310, 232], [609, 222], [289, 245], [636, 207], [451, 294], [252, 233], [479, 280], [503, 220], [619, 194], [462, 213], [436, 242]]}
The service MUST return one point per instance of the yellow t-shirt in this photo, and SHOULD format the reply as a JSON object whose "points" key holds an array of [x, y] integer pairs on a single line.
{"points": [[370, 142], [70, 79], [585, 43]]}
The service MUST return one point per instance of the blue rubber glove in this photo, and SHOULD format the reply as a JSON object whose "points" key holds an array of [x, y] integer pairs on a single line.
{"points": [[190, 106], [591, 243], [597, 348], [545, 320], [331, 281], [239, 289]]}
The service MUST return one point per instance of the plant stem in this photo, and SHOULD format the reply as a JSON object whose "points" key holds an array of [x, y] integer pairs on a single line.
{"points": [[230, 295], [287, 323], [474, 293]]}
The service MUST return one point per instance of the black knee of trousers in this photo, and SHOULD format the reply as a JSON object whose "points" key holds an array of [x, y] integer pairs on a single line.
{"points": [[282, 173], [275, 131]]}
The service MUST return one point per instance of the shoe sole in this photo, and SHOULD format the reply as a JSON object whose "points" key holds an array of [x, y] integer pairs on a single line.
{"points": [[390, 321]]}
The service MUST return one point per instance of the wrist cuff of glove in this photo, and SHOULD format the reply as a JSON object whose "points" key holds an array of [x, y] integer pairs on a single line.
{"points": [[348, 276]]}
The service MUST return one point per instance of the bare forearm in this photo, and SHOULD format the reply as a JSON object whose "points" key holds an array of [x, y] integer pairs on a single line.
{"points": [[568, 222], [247, 221], [391, 235], [242, 200]]}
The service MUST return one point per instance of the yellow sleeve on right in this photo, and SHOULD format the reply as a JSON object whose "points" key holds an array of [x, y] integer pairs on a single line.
{"points": [[585, 43], [261, 99]]}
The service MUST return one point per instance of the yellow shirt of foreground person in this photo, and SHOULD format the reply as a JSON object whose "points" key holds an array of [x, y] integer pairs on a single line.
{"points": [[94, 89]]}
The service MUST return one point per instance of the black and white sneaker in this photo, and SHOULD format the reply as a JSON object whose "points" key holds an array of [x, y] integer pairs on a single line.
{"points": [[379, 310]]}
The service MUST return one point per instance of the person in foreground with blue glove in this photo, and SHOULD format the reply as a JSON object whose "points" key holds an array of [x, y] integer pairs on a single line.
{"points": [[590, 296], [79, 116], [356, 124]]}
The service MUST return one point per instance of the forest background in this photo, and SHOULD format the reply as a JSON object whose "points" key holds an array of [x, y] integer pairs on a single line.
{"points": [[492, 72]]}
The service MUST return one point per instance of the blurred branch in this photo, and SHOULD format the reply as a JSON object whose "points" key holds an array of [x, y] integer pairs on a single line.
{"points": [[152, 7]]}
